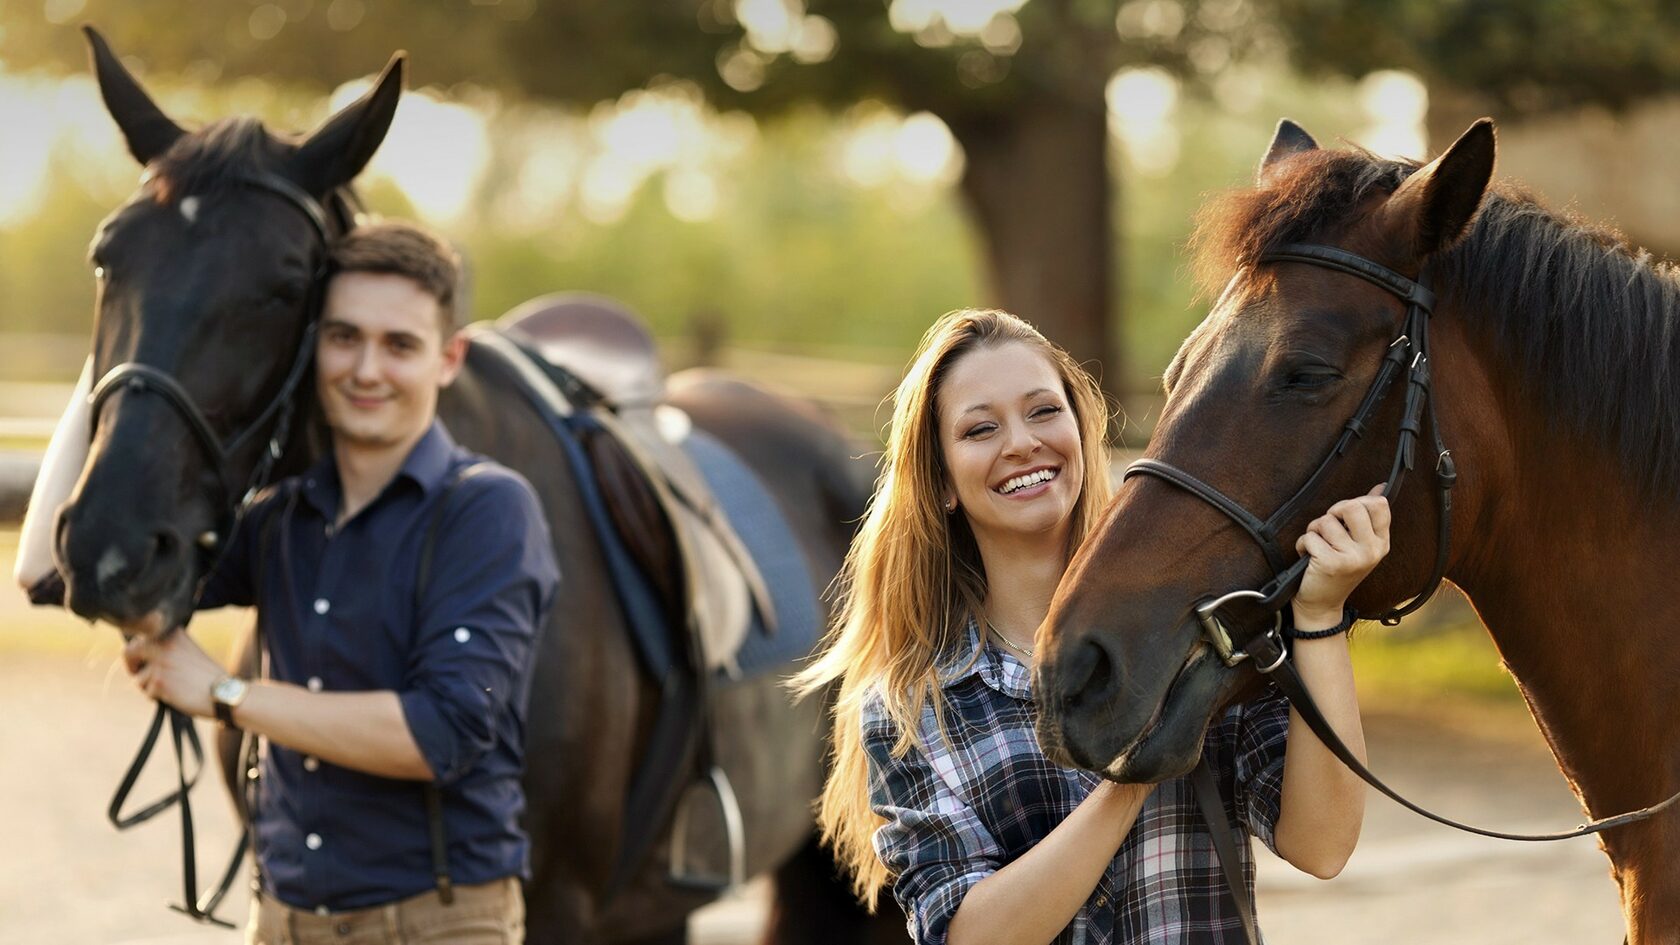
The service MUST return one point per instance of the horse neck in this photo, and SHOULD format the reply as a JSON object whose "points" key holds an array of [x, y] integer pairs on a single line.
{"points": [[1570, 569]]}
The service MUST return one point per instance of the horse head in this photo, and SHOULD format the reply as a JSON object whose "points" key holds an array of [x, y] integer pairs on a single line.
{"points": [[209, 279], [1258, 395]]}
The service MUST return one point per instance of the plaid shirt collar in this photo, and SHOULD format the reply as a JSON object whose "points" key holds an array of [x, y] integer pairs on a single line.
{"points": [[998, 668]]}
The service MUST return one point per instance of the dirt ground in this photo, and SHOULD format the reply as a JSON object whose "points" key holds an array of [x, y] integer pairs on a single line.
{"points": [[72, 721]]}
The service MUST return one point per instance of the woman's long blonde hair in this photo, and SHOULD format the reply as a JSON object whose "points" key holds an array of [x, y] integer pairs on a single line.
{"points": [[914, 575]]}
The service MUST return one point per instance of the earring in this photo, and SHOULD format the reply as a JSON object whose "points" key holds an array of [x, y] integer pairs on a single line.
{"points": [[950, 506]]}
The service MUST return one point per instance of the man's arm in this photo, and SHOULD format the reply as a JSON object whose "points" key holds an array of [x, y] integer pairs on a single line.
{"points": [[363, 731]]}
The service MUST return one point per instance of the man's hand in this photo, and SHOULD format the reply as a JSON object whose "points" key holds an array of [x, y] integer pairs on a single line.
{"points": [[174, 670], [1346, 544]]}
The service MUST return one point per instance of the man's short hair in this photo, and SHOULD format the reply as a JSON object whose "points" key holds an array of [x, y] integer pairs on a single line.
{"points": [[405, 249]]}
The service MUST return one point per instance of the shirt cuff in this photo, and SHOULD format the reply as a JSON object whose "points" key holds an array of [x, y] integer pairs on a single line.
{"points": [[431, 732], [934, 908]]}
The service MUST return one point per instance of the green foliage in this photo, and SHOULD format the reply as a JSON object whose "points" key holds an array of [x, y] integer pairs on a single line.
{"points": [[1526, 56]]}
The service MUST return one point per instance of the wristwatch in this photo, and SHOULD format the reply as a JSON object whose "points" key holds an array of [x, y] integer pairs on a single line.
{"points": [[226, 694]]}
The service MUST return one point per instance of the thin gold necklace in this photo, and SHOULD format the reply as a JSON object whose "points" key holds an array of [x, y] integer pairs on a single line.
{"points": [[1020, 650]]}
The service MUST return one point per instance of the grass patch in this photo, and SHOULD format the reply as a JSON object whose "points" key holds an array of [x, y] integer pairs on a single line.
{"points": [[1452, 658]]}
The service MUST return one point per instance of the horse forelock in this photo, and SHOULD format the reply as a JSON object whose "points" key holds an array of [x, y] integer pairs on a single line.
{"points": [[213, 159], [1305, 195]]}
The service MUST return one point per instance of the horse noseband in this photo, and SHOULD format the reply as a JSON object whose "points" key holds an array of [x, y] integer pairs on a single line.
{"points": [[1408, 356]]}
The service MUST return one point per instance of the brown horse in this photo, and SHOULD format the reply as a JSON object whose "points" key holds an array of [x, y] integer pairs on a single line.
{"points": [[1556, 349], [206, 287]]}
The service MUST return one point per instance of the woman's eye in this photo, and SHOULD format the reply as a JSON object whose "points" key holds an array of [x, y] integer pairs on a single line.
{"points": [[1048, 410], [978, 430]]}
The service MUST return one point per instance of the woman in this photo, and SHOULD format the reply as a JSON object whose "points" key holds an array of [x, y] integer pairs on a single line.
{"points": [[994, 472]]}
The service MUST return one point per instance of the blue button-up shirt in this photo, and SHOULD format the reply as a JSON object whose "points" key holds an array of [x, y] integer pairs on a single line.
{"points": [[340, 613]]}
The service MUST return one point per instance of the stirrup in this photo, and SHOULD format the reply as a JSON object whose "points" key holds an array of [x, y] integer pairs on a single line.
{"points": [[734, 834]]}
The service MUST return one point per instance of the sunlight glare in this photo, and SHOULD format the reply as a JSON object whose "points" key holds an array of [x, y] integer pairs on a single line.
{"points": [[1141, 107], [436, 152], [32, 129], [925, 149], [771, 25], [1395, 104]]}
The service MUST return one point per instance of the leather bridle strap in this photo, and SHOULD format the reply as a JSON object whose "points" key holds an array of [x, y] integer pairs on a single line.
{"points": [[1289, 681], [1212, 805]]}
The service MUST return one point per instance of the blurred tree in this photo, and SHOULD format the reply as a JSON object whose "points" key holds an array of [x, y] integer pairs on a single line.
{"points": [[1020, 84], [1512, 58]]}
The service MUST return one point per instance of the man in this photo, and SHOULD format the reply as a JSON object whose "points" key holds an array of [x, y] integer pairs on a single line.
{"points": [[376, 687]]}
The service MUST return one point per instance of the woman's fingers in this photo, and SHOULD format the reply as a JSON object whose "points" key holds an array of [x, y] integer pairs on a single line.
{"points": [[1314, 544], [1355, 516], [1331, 529]]}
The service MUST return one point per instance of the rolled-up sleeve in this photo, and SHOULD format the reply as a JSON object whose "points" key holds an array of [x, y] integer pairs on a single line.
{"points": [[492, 580], [933, 843], [1261, 736]]}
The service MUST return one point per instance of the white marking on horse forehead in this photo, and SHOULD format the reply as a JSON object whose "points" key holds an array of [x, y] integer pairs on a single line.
{"points": [[189, 209]]}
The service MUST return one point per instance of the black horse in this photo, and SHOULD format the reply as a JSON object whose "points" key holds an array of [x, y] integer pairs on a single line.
{"points": [[208, 279]]}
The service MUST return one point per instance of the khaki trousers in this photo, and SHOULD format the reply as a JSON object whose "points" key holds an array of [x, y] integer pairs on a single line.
{"points": [[489, 914]]}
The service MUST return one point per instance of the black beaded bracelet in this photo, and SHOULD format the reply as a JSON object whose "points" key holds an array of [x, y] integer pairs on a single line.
{"points": [[1348, 617]]}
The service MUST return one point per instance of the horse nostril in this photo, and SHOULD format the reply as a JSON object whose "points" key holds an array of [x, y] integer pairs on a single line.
{"points": [[1086, 673], [164, 547]]}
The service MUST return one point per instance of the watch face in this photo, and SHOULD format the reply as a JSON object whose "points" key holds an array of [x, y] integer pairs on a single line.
{"points": [[229, 691]]}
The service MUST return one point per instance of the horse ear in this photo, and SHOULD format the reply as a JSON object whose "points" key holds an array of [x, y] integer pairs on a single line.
{"points": [[148, 131], [1289, 139], [1440, 199], [336, 152]]}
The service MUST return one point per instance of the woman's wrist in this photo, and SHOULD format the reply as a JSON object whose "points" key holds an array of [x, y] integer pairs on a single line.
{"points": [[1315, 617]]}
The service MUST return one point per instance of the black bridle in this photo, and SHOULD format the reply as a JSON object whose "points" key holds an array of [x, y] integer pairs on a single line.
{"points": [[1407, 357], [133, 377], [1408, 354]]}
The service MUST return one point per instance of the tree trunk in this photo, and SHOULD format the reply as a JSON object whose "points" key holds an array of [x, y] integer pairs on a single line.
{"points": [[1037, 181]]}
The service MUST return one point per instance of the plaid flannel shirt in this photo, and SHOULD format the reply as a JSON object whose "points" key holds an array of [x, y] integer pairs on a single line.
{"points": [[958, 812]]}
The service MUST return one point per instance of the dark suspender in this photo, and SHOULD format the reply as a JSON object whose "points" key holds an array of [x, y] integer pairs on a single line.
{"points": [[434, 795]]}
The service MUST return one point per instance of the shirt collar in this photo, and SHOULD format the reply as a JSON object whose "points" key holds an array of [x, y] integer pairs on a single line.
{"points": [[426, 465], [998, 668]]}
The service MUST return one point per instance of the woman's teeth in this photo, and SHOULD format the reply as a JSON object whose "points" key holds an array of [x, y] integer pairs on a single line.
{"points": [[1030, 479]]}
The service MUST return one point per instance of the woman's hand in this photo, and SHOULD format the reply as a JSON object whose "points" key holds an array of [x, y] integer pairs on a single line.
{"points": [[1345, 543]]}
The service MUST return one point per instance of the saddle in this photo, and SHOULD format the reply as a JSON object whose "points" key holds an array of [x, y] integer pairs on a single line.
{"points": [[661, 504]]}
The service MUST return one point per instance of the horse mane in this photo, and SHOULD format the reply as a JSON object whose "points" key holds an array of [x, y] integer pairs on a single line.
{"points": [[1590, 320], [212, 159]]}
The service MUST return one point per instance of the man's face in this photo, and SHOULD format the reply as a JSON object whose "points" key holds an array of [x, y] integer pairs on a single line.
{"points": [[381, 359]]}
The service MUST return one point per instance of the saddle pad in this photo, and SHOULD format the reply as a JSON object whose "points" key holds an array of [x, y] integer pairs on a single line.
{"points": [[758, 520]]}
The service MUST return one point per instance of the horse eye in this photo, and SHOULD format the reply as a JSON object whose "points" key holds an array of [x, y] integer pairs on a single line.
{"points": [[1312, 379]]}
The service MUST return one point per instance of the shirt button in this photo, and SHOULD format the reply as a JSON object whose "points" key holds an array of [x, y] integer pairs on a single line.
{"points": [[314, 684], [311, 763], [462, 634], [343, 928], [321, 605], [313, 841], [322, 910]]}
